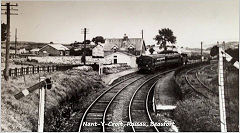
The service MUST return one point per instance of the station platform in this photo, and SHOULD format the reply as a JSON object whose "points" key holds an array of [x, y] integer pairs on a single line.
{"points": [[165, 96], [108, 79]]}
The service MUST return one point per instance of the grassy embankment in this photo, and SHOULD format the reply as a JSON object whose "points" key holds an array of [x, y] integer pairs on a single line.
{"points": [[22, 115], [72, 92], [195, 113]]}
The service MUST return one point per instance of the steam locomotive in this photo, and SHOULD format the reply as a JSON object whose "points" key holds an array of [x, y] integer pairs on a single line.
{"points": [[163, 59]]}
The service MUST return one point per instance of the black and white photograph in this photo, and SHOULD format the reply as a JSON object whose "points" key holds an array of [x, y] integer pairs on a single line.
{"points": [[120, 66]]}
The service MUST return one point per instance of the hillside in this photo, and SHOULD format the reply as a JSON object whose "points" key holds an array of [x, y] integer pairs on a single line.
{"points": [[232, 45], [24, 44]]}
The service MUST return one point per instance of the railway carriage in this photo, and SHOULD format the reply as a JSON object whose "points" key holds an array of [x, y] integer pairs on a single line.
{"points": [[163, 59]]}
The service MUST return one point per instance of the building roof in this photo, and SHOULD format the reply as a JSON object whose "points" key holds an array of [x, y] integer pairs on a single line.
{"points": [[123, 43], [57, 46]]}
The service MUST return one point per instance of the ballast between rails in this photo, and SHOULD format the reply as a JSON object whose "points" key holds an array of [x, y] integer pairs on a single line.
{"points": [[86, 111], [130, 104], [106, 109], [147, 99]]}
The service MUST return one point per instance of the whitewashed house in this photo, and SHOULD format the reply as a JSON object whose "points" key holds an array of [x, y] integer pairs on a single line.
{"points": [[121, 57], [97, 51], [22, 51], [123, 50]]}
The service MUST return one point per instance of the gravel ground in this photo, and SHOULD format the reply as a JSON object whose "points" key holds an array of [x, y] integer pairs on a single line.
{"points": [[120, 107], [165, 89]]}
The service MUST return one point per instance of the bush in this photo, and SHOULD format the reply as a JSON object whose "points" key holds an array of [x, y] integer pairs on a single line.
{"points": [[197, 114]]}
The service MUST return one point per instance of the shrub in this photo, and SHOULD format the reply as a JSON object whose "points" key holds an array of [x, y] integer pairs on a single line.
{"points": [[197, 114]]}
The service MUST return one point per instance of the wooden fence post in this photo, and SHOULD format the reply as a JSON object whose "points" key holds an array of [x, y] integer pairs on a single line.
{"points": [[21, 72], [10, 72], [37, 69], [16, 72], [33, 70], [27, 71]]}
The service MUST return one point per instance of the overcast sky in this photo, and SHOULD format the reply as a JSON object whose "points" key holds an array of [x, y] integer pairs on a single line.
{"points": [[192, 21]]}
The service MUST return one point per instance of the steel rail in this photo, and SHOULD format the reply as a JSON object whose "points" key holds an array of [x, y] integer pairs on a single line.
{"points": [[86, 111], [110, 102], [130, 104], [203, 83], [194, 88], [186, 78], [147, 99]]}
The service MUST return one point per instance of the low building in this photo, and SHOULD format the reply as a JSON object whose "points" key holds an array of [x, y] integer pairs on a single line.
{"points": [[121, 57], [54, 49]]}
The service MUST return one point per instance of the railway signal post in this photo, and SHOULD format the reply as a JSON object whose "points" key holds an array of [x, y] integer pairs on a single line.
{"points": [[100, 68], [235, 63], [42, 85], [221, 92], [41, 106]]}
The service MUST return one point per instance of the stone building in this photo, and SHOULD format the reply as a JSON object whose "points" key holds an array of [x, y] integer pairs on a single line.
{"points": [[134, 46]]}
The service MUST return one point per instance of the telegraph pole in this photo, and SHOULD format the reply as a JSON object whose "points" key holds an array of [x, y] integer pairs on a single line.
{"points": [[15, 42], [142, 34], [201, 52], [84, 48], [6, 70]]}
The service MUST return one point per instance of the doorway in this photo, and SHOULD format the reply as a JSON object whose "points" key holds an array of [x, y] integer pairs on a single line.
{"points": [[115, 60]]}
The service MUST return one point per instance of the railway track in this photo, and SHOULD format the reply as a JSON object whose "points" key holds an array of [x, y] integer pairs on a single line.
{"points": [[202, 69], [97, 115], [197, 85], [212, 68], [139, 111]]}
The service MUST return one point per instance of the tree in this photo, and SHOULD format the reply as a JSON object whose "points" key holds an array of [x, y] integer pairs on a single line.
{"points": [[98, 39], [214, 50], [151, 50], [165, 35], [3, 32], [87, 42]]}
